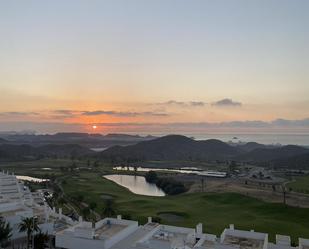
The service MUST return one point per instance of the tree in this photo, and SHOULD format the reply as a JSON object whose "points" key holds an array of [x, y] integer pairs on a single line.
{"points": [[41, 240], [29, 225], [151, 176], [92, 205], [273, 187], [284, 194], [232, 166], [5, 232], [202, 184], [86, 212], [135, 170], [79, 197], [95, 164], [109, 208]]}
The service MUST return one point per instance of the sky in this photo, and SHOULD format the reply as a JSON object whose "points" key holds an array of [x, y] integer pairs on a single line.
{"points": [[157, 65]]}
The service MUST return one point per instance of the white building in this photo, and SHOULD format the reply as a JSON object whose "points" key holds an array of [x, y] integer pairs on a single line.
{"points": [[303, 243], [17, 202], [101, 235], [124, 234]]}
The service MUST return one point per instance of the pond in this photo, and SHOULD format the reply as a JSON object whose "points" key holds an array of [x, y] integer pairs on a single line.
{"points": [[31, 179], [99, 149], [136, 184], [184, 170]]}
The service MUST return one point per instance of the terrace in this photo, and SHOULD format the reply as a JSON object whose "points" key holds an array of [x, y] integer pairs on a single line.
{"points": [[166, 237], [108, 230], [303, 243], [244, 239], [208, 241], [102, 234]]}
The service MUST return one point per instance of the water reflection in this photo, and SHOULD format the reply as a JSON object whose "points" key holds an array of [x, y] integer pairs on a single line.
{"points": [[31, 179], [136, 184], [184, 170]]}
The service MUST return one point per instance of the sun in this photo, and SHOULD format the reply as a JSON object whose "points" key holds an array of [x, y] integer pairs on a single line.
{"points": [[94, 127]]}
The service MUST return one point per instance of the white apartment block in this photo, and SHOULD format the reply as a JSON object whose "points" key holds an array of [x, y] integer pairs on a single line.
{"points": [[17, 202], [111, 233]]}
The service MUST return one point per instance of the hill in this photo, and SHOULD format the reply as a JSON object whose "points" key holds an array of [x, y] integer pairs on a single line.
{"points": [[294, 162], [127, 137], [9, 152], [266, 154], [84, 139], [250, 146], [2, 140], [172, 147]]}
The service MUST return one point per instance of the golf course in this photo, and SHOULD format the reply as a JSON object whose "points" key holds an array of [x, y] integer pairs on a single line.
{"points": [[215, 211]]}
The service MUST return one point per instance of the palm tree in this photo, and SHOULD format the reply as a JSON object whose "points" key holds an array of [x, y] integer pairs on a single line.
{"points": [[29, 225], [5, 232], [86, 212], [109, 208], [41, 240]]}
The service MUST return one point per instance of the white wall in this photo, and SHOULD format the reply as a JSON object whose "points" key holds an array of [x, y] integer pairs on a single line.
{"points": [[82, 237], [69, 242], [121, 235]]}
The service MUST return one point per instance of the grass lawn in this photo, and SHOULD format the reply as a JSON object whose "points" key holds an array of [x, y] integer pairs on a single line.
{"points": [[40, 168], [35, 168], [301, 184], [215, 211]]}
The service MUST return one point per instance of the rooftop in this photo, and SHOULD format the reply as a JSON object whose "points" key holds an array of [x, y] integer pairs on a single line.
{"points": [[244, 239], [109, 230]]}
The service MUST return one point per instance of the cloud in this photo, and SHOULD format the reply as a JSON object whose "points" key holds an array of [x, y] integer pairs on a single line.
{"points": [[173, 102], [197, 103], [286, 122], [19, 113], [65, 112], [123, 114], [227, 102], [255, 126], [181, 103], [247, 124]]}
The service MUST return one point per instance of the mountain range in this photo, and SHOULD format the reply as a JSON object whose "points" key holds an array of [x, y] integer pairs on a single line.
{"points": [[167, 148], [176, 147], [9, 152], [84, 139], [172, 147]]}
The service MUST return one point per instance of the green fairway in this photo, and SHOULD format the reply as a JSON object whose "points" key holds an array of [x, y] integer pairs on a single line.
{"points": [[215, 211], [301, 184], [40, 168]]}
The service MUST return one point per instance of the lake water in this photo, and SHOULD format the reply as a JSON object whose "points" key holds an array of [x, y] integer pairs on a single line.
{"points": [[184, 170], [31, 179], [136, 184], [99, 149]]}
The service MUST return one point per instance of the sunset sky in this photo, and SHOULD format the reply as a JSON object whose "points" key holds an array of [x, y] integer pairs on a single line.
{"points": [[144, 66]]}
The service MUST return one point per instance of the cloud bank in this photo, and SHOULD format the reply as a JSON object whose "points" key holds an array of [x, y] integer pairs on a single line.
{"points": [[227, 102], [257, 126], [123, 114], [181, 103]]}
